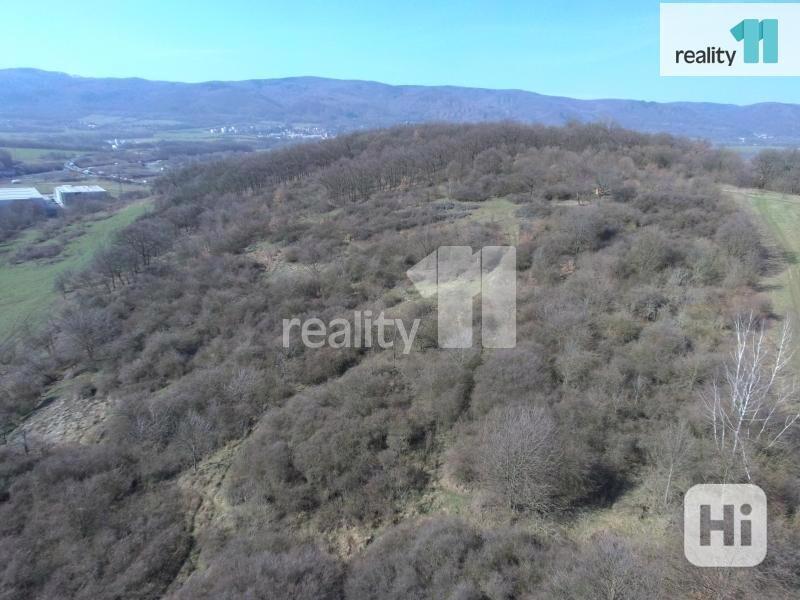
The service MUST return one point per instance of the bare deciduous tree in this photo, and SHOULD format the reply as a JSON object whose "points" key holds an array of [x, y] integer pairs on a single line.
{"points": [[86, 330], [757, 403], [146, 238], [669, 454], [194, 435], [519, 457]]}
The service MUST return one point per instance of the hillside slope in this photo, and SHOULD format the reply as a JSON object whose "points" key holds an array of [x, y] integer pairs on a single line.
{"points": [[237, 460], [28, 285]]}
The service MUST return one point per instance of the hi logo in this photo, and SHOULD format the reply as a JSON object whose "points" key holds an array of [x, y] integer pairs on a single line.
{"points": [[753, 32], [455, 276], [725, 525]]}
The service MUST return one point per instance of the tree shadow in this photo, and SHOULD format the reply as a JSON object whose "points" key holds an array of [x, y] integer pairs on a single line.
{"points": [[607, 487]]}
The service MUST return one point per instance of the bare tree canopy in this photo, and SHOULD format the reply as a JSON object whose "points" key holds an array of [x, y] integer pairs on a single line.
{"points": [[519, 457]]}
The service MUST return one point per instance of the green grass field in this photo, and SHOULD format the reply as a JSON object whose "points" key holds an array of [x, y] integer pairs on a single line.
{"points": [[26, 289], [780, 213], [501, 212], [498, 211], [36, 154]]}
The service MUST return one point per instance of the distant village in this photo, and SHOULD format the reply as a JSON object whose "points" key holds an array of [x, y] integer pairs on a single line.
{"points": [[277, 133]]}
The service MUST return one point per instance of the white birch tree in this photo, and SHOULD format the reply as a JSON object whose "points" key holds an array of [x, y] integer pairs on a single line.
{"points": [[751, 410]]}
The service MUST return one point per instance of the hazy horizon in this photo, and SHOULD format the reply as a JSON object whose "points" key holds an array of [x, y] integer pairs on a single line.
{"points": [[312, 76], [586, 51]]}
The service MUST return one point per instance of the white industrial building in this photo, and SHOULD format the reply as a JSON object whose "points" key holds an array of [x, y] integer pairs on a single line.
{"points": [[20, 194], [68, 194]]}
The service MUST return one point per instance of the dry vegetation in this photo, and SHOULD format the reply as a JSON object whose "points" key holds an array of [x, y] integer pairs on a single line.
{"points": [[458, 475]]}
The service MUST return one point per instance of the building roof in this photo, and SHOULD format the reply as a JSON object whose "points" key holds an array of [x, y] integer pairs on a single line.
{"points": [[79, 189], [11, 194]]}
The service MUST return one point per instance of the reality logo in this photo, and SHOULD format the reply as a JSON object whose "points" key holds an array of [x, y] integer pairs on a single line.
{"points": [[455, 276]]}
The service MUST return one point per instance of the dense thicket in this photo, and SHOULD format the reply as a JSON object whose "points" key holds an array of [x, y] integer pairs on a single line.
{"points": [[15, 216], [81, 523], [777, 170], [631, 268]]}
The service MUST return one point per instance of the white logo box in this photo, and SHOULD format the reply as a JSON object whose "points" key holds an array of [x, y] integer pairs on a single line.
{"points": [[696, 27], [746, 521]]}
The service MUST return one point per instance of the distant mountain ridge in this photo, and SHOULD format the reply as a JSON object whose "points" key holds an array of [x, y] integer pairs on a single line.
{"points": [[341, 105]]}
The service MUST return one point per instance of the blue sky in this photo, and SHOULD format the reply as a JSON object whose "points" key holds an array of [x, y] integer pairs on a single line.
{"points": [[584, 49]]}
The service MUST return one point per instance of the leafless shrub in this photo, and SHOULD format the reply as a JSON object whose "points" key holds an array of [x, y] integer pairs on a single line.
{"points": [[608, 568], [519, 457]]}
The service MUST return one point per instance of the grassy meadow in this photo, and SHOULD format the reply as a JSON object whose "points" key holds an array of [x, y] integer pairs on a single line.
{"points": [[780, 214], [26, 289], [29, 155]]}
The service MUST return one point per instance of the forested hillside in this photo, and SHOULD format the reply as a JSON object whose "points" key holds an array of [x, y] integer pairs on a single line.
{"points": [[220, 464]]}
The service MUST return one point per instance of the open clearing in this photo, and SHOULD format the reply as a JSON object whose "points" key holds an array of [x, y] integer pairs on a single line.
{"points": [[26, 289], [37, 154], [780, 213]]}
